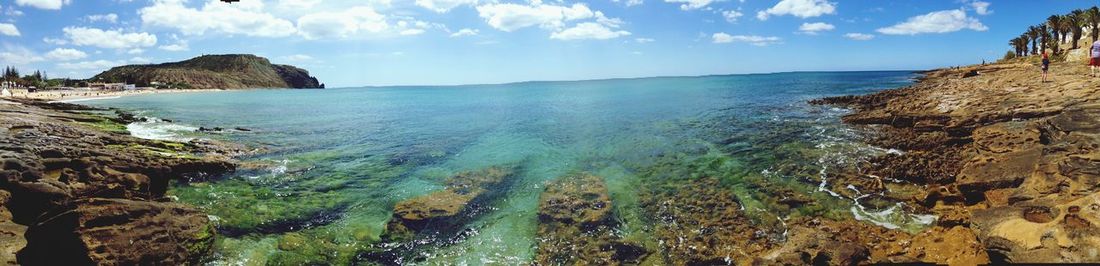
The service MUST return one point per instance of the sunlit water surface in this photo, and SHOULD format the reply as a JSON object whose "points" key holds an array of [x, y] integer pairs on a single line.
{"points": [[337, 160]]}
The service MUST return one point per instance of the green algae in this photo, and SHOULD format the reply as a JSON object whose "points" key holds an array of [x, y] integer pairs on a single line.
{"points": [[241, 207], [104, 124]]}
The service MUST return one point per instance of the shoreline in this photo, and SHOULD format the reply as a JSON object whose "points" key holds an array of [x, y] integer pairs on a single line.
{"points": [[71, 96], [1004, 160], [65, 170]]}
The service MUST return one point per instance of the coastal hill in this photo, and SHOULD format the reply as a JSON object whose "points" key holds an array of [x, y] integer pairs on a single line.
{"points": [[233, 71]]}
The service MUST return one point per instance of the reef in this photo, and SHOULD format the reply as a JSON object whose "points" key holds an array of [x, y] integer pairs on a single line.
{"points": [[577, 225], [440, 216], [75, 189]]}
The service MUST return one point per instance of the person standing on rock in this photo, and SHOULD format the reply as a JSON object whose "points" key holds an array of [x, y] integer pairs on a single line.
{"points": [[1094, 58]]}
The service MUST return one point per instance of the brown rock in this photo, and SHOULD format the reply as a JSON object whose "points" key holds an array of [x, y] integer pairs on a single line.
{"points": [[11, 233], [576, 226], [1037, 231], [955, 246], [444, 209], [119, 232]]}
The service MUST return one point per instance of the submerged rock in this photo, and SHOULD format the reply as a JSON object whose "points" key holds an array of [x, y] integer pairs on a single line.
{"points": [[119, 232], [576, 225], [446, 209], [702, 223]]}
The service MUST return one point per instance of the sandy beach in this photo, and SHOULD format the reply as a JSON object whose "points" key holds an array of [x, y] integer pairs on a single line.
{"points": [[86, 95]]}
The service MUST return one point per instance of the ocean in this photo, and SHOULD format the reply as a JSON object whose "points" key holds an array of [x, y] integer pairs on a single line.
{"points": [[331, 164]]}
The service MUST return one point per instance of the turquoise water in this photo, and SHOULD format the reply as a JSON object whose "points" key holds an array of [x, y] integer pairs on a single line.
{"points": [[334, 162]]}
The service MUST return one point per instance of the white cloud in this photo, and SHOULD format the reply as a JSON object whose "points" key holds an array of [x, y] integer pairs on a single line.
{"points": [[980, 7], [588, 30], [629, 2], [442, 6], [135, 51], [644, 40], [12, 12], [297, 58], [112, 18], [113, 39], [814, 28], [722, 37], [245, 18], [140, 60], [9, 29], [65, 54], [936, 22], [859, 36], [298, 4], [411, 31], [91, 65], [342, 24], [799, 8], [465, 32], [44, 4], [19, 56], [691, 4], [55, 41], [175, 47], [510, 17], [731, 15]]}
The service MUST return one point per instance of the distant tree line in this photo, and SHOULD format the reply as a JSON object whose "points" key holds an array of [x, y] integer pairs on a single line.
{"points": [[37, 79], [1056, 30]]}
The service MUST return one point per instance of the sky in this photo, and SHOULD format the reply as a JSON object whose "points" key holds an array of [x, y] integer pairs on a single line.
{"points": [[446, 42]]}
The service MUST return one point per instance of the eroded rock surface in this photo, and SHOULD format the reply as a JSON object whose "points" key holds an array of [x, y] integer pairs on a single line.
{"points": [[1010, 159], [577, 226], [73, 176], [119, 232]]}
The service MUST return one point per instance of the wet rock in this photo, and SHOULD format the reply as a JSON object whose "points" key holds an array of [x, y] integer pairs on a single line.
{"points": [[576, 225], [119, 232], [446, 209], [702, 223]]}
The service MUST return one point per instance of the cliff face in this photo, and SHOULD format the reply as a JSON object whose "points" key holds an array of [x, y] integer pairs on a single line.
{"points": [[214, 72]]}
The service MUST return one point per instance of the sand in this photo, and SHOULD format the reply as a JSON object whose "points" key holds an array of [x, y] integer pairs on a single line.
{"points": [[86, 95]]}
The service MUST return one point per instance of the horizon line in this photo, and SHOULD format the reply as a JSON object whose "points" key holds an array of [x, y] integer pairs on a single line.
{"points": [[629, 78]]}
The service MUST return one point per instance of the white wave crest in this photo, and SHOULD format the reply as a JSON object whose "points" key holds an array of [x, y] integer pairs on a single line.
{"points": [[154, 128]]}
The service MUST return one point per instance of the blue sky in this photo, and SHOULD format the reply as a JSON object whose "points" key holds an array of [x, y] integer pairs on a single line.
{"points": [[427, 42]]}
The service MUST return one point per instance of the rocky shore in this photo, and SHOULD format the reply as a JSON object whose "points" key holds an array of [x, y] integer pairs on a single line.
{"points": [[75, 189], [998, 156]]}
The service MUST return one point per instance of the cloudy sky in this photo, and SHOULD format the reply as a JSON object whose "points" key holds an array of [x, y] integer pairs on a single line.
{"points": [[423, 42]]}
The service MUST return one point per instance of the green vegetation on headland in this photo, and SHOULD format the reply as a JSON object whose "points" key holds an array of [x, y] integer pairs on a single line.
{"points": [[234, 71]]}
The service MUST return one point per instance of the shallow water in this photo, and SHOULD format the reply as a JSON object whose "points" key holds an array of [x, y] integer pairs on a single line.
{"points": [[337, 160]]}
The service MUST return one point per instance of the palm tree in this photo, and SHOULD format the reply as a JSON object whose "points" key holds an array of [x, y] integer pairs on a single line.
{"points": [[1024, 41], [1077, 20], [1044, 37], [1093, 19], [1033, 35], [1019, 44], [1065, 26], [1054, 22]]}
